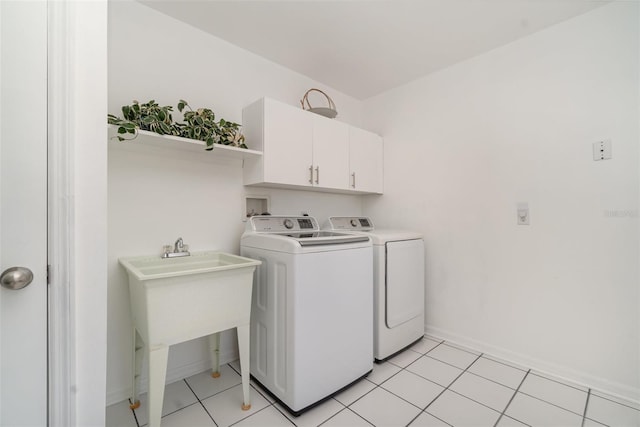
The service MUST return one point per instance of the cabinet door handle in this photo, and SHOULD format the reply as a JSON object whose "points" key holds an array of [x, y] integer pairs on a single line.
{"points": [[317, 174], [311, 174], [353, 175]]}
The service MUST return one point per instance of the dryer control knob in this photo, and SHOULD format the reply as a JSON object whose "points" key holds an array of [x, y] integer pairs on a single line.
{"points": [[288, 224], [354, 223]]}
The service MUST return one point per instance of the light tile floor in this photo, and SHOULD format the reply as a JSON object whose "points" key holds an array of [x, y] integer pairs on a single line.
{"points": [[434, 383]]}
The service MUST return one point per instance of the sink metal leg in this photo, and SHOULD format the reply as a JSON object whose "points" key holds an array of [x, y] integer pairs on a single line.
{"points": [[138, 355], [158, 357], [243, 346], [214, 350]]}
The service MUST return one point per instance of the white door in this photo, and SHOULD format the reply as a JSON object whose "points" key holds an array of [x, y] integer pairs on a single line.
{"points": [[23, 212]]}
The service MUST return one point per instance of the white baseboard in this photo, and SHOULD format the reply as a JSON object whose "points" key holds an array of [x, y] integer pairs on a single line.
{"points": [[566, 373], [174, 374]]}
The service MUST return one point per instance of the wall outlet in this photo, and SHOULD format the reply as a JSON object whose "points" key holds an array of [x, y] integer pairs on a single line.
{"points": [[523, 213], [602, 150]]}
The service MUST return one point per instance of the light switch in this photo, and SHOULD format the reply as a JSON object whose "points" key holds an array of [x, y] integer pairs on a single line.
{"points": [[602, 150], [523, 213]]}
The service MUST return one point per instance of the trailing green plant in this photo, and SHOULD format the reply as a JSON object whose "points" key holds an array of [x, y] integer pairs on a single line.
{"points": [[230, 134], [148, 116], [199, 124], [124, 127]]}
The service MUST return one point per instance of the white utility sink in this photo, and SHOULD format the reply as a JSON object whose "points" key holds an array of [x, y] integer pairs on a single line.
{"points": [[178, 299], [156, 267]]}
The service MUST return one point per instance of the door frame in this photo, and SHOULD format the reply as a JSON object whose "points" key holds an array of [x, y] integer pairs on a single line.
{"points": [[60, 207], [77, 211]]}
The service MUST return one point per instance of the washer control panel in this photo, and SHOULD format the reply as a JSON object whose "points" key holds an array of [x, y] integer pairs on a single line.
{"points": [[275, 224], [356, 223]]}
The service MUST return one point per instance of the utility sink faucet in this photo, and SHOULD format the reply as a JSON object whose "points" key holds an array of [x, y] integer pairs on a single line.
{"points": [[179, 249], [178, 246]]}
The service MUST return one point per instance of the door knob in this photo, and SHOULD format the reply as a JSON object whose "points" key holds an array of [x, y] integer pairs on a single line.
{"points": [[16, 277]]}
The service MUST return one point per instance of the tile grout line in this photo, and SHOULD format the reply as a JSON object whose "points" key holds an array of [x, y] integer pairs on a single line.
{"points": [[402, 368], [405, 369], [357, 414], [512, 397], [375, 384], [402, 398], [473, 400], [492, 380], [506, 363], [135, 417], [477, 356], [431, 415], [282, 413], [257, 389], [527, 394], [586, 405], [380, 385], [345, 408], [551, 403], [255, 413], [387, 379], [446, 388], [200, 402], [252, 387], [617, 402], [172, 412], [323, 422], [447, 363], [219, 391], [558, 381], [273, 404], [528, 372], [229, 388]]}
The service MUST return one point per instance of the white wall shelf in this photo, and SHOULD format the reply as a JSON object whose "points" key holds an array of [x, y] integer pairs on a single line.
{"points": [[152, 139]]}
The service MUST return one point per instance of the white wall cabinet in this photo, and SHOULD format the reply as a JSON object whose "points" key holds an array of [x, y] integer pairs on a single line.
{"points": [[305, 150], [365, 161], [330, 153], [290, 156]]}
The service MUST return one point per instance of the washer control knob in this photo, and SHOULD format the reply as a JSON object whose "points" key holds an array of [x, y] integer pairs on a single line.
{"points": [[354, 223], [288, 224]]}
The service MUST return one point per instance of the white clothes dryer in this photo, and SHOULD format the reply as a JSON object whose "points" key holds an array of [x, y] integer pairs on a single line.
{"points": [[398, 283], [312, 309]]}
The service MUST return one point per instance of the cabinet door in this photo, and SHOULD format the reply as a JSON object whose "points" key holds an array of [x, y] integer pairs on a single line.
{"points": [[288, 143], [365, 161], [330, 153]]}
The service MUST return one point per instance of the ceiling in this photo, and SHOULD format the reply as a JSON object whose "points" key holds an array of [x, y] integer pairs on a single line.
{"points": [[365, 47]]}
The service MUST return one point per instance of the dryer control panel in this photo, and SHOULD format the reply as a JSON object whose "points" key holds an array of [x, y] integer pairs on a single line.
{"points": [[355, 223]]}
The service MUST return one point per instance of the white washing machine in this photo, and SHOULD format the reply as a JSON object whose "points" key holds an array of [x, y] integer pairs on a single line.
{"points": [[312, 309], [399, 287]]}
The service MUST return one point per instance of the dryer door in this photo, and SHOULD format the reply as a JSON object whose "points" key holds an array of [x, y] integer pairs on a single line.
{"points": [[404, 284]]}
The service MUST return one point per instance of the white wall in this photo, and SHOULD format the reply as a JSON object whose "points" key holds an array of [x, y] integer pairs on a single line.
{"points": [[463, 146], [155, 196]]}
